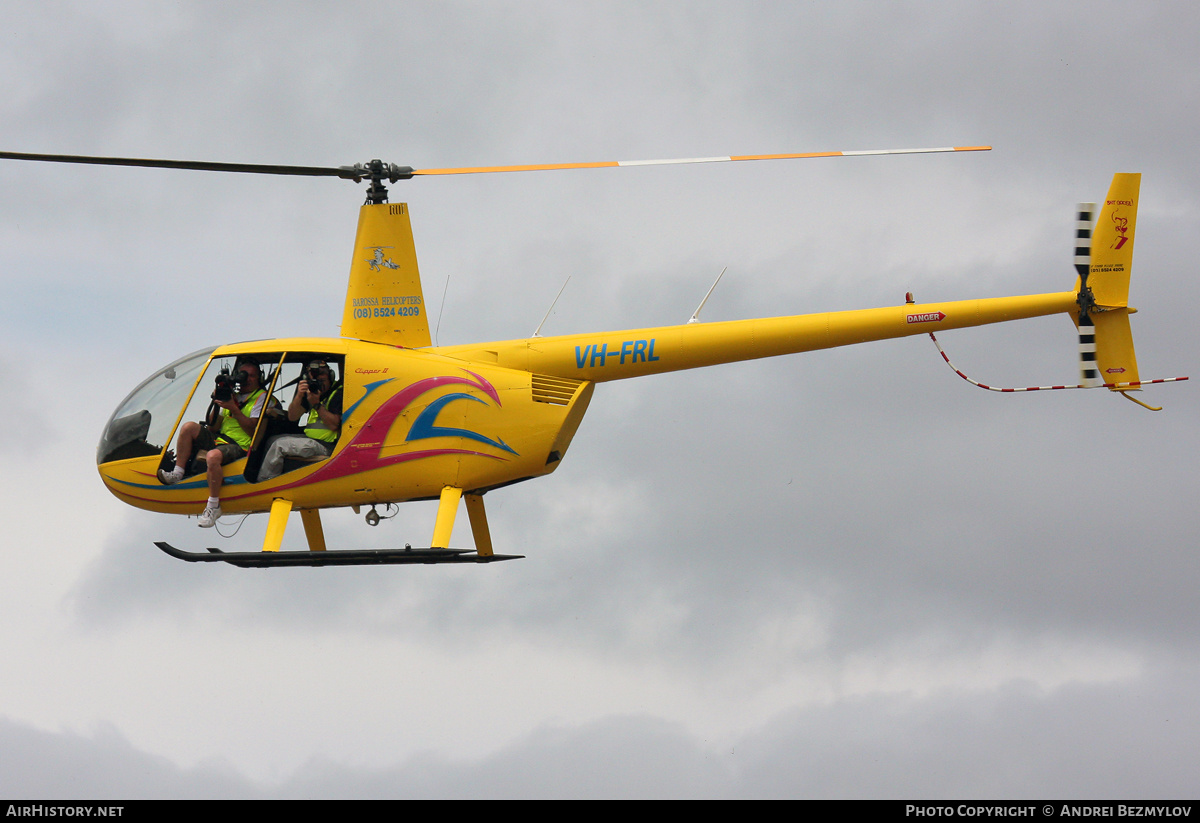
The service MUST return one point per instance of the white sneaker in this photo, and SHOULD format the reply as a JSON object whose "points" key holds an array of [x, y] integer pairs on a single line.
{"points": [[170, 478], [208, 518]]}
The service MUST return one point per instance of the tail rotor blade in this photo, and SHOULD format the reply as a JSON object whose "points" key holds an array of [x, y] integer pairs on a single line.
{"points": [[1089, 375], [1085, 215]]}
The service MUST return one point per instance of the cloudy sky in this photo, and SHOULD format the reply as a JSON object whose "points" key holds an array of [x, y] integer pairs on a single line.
{"points": [[843, 574]]}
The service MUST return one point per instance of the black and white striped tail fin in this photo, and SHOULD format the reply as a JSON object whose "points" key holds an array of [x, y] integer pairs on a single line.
{"points": [[1089, 375]]}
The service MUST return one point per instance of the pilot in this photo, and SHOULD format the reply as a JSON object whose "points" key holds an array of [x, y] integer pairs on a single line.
{"points": [[224, 437], [320, 397]]}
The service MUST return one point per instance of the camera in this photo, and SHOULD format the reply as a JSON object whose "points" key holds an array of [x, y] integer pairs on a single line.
{"points": [[312, 376], [227, 384]]}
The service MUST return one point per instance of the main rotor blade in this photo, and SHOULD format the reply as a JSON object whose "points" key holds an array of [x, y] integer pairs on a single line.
{"points": [[377, 170], [246, 168], [732, 158]]}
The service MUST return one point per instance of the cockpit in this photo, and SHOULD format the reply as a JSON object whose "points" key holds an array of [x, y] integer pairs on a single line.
{"points": [[142, 425], [146, 423]]}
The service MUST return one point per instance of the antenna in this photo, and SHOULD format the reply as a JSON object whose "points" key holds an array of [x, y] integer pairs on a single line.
{"points": [[440, 310], [538, 331], [696, 314]]}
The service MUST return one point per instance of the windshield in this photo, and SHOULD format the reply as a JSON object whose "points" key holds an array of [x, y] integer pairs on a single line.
{"points": [[142, 423]]}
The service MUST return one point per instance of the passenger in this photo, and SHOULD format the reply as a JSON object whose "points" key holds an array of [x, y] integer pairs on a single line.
{"points": [[321, 398], [224, 437]]}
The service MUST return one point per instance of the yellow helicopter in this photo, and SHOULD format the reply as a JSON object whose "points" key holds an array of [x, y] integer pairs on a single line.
{"points": [[397, 419]]}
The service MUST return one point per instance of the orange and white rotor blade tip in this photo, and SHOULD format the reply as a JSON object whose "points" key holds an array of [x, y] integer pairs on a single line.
{"points": [[683, 160]]}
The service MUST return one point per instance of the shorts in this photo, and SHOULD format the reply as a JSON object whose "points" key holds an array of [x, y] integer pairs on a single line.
{"points": [[206, 442]]}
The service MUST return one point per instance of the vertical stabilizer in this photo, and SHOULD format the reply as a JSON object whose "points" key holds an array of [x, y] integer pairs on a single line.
{"points": [[1112, 242], [1115, 356], [384, 302], [1104, 262]]}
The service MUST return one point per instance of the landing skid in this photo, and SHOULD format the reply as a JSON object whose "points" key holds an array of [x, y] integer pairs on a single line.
{"points": [[347, 557], [438, 552]]}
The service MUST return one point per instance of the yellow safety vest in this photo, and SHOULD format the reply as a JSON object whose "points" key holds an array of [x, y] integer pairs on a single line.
{"points": [[231, 429], [316, 428]]}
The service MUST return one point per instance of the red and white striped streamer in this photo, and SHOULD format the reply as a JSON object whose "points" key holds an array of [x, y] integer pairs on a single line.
{"points": [[1119, 386]]}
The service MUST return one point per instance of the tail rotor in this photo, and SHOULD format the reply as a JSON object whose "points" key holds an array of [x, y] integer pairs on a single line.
{"points": [[1103, 260], [1084, 219]]}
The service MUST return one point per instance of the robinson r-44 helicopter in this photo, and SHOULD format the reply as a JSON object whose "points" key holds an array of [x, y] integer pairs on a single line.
{"points": [[452, 423]]}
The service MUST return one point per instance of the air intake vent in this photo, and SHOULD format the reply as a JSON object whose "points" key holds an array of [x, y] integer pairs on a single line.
{"points": [[556, 390]]}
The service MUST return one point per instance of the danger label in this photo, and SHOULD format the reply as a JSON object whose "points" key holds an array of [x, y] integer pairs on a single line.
{"points": [[930, 317]]}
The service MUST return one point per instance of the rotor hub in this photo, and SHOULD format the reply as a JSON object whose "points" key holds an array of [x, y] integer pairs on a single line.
{"points": [[376, 171]]}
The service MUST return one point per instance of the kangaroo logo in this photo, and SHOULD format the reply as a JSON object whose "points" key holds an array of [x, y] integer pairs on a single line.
{"points": [[1121, 224], [378, 260]]}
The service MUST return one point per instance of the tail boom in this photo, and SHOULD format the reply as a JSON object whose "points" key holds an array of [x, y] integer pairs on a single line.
{"points": [[622, 354]]}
